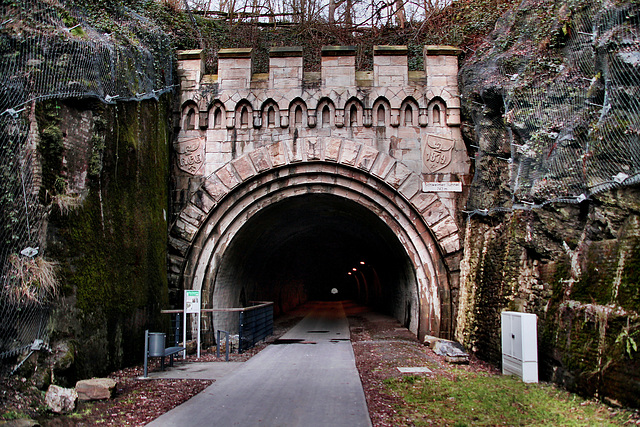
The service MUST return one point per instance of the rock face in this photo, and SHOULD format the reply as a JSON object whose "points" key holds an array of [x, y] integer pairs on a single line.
{"points": [[95, 388], [96, 330], [555, 228], [61, 400]]}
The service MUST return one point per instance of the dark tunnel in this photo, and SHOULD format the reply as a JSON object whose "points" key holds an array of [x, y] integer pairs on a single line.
{"points": [[317, 247]]}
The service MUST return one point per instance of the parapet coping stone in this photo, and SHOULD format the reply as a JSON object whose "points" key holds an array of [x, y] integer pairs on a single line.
{"points": [[433, 50], [191, 54], [338, 51], [285, 52], [243, 52], [390, 50]]}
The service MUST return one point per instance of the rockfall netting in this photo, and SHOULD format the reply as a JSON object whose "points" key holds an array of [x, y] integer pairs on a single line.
{"points": [[569, 126], [57, 49]]}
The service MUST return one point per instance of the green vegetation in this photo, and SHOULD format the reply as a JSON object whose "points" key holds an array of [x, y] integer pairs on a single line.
{"points": [[13, 415], [482, 399]]}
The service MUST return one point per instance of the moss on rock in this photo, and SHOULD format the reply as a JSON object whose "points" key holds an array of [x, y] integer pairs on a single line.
{"points": [[113, 248]]}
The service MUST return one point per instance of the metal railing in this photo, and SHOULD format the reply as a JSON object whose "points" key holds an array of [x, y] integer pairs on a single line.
{"points": [[254, 323]]}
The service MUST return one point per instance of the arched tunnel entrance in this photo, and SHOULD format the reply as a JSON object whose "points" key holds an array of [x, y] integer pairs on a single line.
{"points": [[318, 247], [293, 232]]}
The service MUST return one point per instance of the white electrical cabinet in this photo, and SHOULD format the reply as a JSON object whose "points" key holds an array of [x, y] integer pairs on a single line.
{"points": [[520, 345]]}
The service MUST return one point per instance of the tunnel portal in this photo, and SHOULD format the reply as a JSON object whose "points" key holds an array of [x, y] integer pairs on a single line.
{"points": [[287, 181]]}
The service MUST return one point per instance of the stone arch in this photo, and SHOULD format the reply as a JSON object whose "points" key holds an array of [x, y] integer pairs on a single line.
{"points": [[298, 114], [217, 115], [409, 112], [270, 114], [355, 172], [190, 116], [244, 114], [353, 113], [437, 112], [326, 113], [381, 112]]}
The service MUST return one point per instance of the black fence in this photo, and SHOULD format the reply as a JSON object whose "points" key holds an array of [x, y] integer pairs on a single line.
{"points": [[256, 323]]}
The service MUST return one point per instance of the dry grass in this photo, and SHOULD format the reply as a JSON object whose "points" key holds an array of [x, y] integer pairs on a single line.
{"points": [[31, 280], [66, 202]]}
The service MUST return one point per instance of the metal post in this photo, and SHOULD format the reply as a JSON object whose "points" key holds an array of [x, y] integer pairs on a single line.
{"points": [[218, 345], [146, 351], [241, 326], [176, 334], [226, 356]]}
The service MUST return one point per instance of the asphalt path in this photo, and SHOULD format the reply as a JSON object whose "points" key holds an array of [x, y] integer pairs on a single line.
{"points": [[307, 378]]}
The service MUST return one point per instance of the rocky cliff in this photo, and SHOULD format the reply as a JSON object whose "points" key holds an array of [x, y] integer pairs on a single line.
{"points": [[553, 227]]}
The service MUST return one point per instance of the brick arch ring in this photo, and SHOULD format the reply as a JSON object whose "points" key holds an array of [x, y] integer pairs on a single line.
{"points": [[237, 191]]}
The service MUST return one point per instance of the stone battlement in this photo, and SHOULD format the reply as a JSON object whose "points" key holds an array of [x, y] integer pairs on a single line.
{"points": [[390, 68]]}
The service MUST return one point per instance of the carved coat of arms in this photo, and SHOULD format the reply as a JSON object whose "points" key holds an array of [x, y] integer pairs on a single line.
{"points": [[190, 154], [436, 152]]}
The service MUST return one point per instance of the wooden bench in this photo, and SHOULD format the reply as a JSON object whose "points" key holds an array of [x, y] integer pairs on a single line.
{"points": [[154, 347]]}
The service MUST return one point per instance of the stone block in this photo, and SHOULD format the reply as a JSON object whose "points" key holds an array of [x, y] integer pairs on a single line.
{"points": [[227, 176], [451, 244], [61, 400], [179, 244], [244, 167], [398, 175], [437, 81], [95, 388], [184, 229], [435, 212], [203, 200], [277, 154], [215, 189], [174, 263], [260, 159], [445, 228], [349, 153], [367, 158], [383, 165], [332, 150], [192, 214]]}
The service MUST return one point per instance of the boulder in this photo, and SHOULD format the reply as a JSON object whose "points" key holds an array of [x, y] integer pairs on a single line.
{"points": [[452, 351], [95, 388], [61, 400]]}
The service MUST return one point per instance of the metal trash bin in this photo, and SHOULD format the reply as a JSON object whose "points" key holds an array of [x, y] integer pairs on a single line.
{"points": [[156, 344]]}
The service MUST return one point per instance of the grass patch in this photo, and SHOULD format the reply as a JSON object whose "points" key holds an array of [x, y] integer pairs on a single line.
{"points": [[482, 399]]}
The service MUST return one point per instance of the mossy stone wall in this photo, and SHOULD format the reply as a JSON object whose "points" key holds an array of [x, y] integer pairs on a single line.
{"points": [[576, 267], [111, 242]]}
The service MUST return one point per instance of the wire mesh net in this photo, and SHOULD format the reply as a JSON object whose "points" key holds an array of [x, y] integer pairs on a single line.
{"points": [[574, 134], [54, 49]]}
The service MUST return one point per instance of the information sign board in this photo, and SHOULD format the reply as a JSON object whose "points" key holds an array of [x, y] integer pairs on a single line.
{"points": [[438, 187]]}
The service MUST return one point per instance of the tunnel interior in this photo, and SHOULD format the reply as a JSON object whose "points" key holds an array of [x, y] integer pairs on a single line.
{"points": [[317, 247]]}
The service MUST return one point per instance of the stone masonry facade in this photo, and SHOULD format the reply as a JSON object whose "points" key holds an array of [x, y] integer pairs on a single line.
{"points": [[400, 128]]}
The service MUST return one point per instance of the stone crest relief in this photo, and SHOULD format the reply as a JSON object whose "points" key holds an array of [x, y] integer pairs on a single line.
{"points": [[190, 154], [436, 152]]}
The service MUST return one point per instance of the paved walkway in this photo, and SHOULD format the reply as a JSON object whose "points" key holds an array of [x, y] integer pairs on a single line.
{"points": [[307, 378]]}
